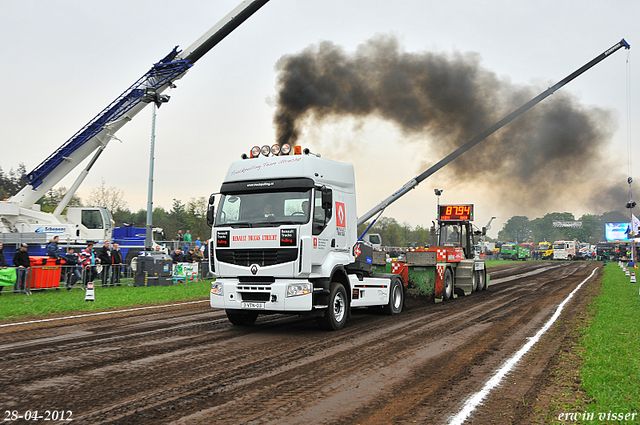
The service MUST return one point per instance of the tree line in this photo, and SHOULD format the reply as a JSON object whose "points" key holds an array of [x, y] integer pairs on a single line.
{"points": [[517, 229], [521, 229]]}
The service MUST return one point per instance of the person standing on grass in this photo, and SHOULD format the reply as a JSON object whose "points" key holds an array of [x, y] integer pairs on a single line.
{"points": [[116, 264], [88, 258], [187, 239], [179, 239], [22, 262], [105, 260], [73, 273]]}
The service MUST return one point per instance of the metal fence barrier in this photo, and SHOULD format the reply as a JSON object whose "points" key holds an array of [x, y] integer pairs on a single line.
{"points": [[61, 277]]}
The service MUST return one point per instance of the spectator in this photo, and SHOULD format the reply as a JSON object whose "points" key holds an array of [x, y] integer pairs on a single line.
{"points": [[198, 242], [53, 251], [88, 258], [73, 272], [197, 254], [188, 257], [22, 262], [205, 251], [105, 260], [116, 264], [179, 237], [177, 256], [187, 239], [3, 264]]}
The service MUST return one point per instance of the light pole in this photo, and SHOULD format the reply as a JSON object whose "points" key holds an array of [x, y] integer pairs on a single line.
{"points": [[632, 234], [151, 95], [438, 192]]}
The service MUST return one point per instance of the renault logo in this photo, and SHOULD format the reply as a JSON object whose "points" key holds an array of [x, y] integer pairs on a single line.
{"points": [[254, 269]]}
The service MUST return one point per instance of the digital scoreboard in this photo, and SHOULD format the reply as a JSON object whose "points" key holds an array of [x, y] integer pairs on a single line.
{"points": [[455, 212]]}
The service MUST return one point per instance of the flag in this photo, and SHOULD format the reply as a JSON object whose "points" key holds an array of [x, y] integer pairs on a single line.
{"points": [[635, 225], [7, 276]]}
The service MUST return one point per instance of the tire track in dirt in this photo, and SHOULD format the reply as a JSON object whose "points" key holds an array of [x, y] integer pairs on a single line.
{"points": [[194, 367]]}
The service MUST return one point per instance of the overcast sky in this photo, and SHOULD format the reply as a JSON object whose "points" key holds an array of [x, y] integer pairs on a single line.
{"points": [[64, 61]]}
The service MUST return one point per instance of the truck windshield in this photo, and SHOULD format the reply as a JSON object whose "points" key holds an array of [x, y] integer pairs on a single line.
{"points": [[264, 208], [558, 246]]}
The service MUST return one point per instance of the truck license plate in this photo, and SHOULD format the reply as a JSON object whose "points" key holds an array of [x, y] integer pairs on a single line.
{"points": [[253, 305]]}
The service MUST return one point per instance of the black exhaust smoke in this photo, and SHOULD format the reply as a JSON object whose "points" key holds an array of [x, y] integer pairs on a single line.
{"points": [[553, 151]]}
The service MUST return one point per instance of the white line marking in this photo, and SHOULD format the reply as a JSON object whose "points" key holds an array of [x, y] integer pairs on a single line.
{"points": [[101, 313], [477, 398]]}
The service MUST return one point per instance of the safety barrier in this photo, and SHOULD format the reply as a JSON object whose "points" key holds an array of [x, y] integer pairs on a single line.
{"points": [[47, 273]]}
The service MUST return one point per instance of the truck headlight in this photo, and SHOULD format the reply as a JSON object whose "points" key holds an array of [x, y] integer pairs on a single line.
{"points": [[295, 289], [216, 288]]}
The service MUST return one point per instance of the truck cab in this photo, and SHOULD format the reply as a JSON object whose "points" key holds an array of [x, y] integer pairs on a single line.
{"points": [[545, 250], [564, 250], [284, 241]]}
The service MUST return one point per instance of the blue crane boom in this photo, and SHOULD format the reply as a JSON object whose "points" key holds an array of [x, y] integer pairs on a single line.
{"points": [[101, 129]]}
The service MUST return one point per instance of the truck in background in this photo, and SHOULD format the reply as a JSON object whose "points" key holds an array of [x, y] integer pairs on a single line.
{"points": [[544, 250], [374, 239], [512, 251], [565, 250]]}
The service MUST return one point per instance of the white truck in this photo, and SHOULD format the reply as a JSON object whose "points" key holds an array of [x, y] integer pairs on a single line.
{"points": [[284, 240], [565, 250]]}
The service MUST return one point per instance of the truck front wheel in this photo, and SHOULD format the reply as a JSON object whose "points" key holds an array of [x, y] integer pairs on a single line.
{"points": [[396, 297], [242, 318], [335, 316]]}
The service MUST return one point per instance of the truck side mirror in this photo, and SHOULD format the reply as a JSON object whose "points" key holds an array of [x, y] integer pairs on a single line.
{"points": [[327, 198], [211, 210], [484, 231]]}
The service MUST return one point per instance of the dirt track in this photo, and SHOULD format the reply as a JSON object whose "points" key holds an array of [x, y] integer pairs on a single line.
{"points": [[189, 365]]}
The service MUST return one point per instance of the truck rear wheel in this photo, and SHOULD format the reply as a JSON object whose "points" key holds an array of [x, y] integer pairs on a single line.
{"points": [[242, 318], [396, 297], [447, 280], [335, 316], [480, 278]]}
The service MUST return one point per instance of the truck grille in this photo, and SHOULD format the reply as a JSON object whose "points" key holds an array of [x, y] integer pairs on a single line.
{"points": [[261, 257]]}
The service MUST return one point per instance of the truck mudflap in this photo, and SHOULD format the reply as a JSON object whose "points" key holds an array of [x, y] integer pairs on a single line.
{"points": [[281, 296]]}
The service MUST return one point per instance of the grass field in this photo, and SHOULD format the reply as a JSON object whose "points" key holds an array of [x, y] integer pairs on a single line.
{"points": [[51, 301], [611, 370]]}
